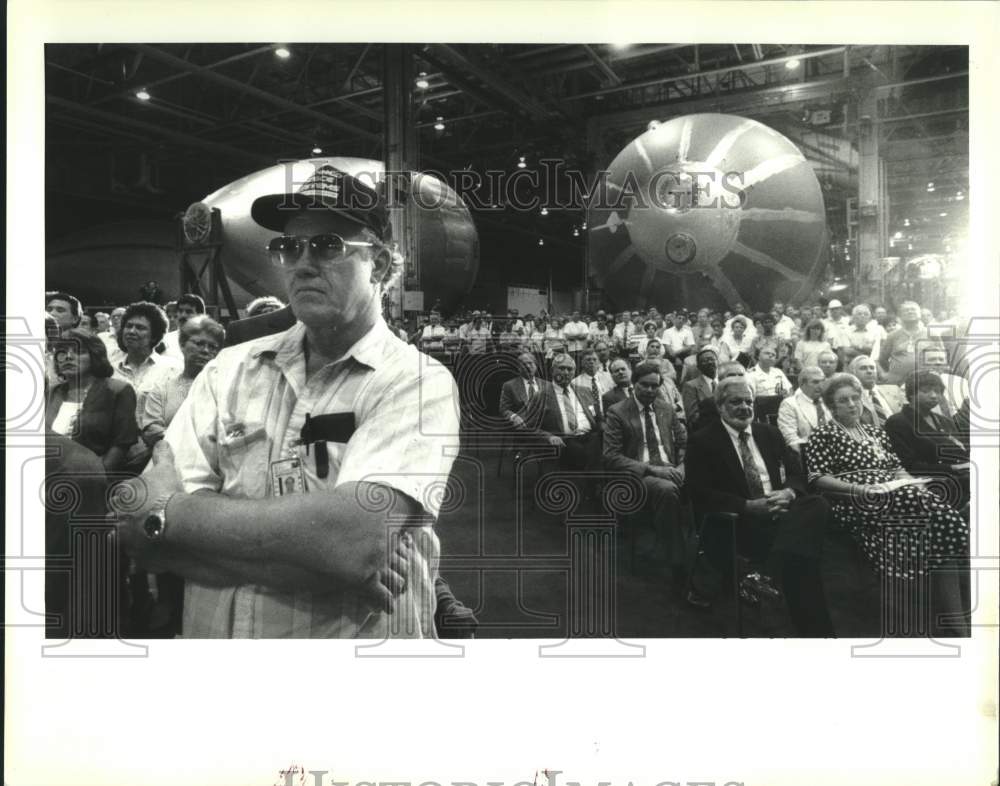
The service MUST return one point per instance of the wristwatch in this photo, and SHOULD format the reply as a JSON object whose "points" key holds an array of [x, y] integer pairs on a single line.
{"points": [[156, 521]]}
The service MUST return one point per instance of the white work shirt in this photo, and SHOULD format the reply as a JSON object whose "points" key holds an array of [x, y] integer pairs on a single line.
{"points": [[758, 459], [765, 383], [678, 339], [245, 411]]}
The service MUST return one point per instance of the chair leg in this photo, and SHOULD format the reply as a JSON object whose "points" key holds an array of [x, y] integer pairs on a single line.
{"points": [[736, 583]]}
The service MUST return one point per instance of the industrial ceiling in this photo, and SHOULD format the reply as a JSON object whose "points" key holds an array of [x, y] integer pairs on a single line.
{"points": [[209, 113]]}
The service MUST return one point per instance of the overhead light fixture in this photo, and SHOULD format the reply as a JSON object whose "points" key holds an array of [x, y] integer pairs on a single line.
{"points": [[422, 82], [520, 163], [541, 241], [930, 188], [898, 235], [792, 64], [906, 222], [836, 287], [943, 215], [317, 151], [583, 225], [545, 211], [620, 46], [576, 232], [439, 125], [959, 196], [142, 94], [282, 52]]}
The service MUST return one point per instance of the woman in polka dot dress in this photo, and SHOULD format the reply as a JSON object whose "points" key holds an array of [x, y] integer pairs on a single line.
{"points": [[855, 466]]}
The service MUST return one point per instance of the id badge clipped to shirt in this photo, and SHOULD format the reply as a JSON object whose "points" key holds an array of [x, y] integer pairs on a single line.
{"points": [[287, 477]]}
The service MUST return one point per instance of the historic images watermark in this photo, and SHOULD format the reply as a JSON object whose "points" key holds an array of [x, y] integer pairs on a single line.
{"points": [[298, 775], [551, 185]]}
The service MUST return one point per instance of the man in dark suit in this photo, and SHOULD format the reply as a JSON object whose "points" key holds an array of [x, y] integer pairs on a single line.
{"points": [[621, 374], [569, 417], [702, 387], [521, 397], [643, 436], [738, 466]]}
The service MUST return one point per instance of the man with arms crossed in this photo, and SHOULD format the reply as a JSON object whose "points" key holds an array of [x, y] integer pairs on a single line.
{"points": [[338, 405]]}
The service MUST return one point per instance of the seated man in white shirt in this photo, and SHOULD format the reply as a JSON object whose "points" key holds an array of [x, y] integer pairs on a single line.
{"points": [[188, 305], [875, 408], [593, 379], [783, 324], [432, 336], [678, 340], [768, 379], [800, 414]]}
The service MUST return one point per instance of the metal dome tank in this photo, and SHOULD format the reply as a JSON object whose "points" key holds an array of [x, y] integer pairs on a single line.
{"points": [[708, 210], [447, 241]]}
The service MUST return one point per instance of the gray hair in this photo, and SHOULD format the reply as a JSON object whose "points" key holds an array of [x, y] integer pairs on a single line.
{"points": [[559, 356], [201, 323], [727, 383], [838, 381], [810, 371], [856, 362]]}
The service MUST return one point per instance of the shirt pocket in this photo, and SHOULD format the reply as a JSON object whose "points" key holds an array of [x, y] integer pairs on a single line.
{"points": [[244, 454]]}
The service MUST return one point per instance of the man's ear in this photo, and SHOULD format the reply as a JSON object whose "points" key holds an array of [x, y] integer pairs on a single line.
{"points": [[382, 266]]}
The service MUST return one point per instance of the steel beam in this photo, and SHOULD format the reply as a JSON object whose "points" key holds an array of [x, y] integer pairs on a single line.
{"points": [[481, 72], [262, 95], [710, 72], [603, 67]]}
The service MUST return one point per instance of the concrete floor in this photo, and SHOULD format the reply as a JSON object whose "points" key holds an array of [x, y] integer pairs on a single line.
{"points": [[509, 560]]}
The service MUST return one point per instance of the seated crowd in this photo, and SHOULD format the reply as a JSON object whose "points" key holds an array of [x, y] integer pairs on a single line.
{"points": [[792, 420]]}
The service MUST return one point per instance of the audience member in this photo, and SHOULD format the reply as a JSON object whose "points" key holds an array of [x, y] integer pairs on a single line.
{"points": [[870, 491], [804, 411], [735, 465], [642, 436], [88, 406]]}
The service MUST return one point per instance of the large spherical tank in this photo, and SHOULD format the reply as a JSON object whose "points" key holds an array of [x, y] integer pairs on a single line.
{"points": [[106, 265], [707, 210], [447, 241]]}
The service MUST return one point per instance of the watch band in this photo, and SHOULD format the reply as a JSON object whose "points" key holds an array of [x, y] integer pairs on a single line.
{"points": [[155, 524]]}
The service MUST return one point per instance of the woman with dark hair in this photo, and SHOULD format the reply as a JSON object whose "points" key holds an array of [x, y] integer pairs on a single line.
{"points": [[89, 406], [142, 327], [927, 442], [869, 489], [65, 308], [812, 344]]}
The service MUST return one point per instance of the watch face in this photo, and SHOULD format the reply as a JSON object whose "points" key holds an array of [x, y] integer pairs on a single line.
{"points": [[153, 525]]}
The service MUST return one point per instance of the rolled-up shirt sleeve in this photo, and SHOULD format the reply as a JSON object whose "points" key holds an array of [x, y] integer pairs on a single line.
{"points": [[152, 415], [193, 434], [408, 435]]}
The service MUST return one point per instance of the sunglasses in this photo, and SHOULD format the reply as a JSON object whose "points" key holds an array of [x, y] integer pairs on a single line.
{"points": [[287, 250]]}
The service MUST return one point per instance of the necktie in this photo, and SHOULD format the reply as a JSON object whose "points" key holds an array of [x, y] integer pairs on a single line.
{"points": [[570, 411], [597, 395], [628, 392], [880, 412], [820, 416], [652, 443], [531, 390], [750, 467]]}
